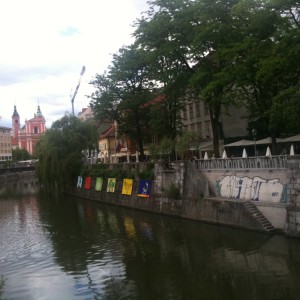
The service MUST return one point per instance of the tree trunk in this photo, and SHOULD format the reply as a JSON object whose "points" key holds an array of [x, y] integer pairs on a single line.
{"points": [[140, 140], [274, 143], [214, 112]]}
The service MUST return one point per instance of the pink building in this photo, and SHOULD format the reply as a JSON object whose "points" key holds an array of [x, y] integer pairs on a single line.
{"points": [[27, 136]]}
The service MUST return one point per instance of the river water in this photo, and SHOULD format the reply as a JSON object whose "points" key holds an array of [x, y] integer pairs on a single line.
{"points": [[68, 248]]}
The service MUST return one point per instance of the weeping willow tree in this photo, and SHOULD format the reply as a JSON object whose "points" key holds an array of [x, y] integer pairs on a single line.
{"points": [[59, 151]]}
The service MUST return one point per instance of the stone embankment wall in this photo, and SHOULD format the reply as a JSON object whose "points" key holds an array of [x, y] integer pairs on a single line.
{"points": [[256, 193], [21, 183], [221, 195], [199, 198], [293, 193], [265, 188]]}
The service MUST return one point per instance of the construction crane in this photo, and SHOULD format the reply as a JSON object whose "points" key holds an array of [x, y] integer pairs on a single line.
{"points": [[77, 87]]}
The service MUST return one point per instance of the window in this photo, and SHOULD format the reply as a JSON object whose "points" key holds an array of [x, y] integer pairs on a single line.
{"points": [[191, 109], [197, 109], [207, 129], [184, 114], [199, 129], [206, 109], [35, 129]]}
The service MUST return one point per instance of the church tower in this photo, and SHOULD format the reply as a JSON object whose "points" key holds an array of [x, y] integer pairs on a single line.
{"points": [[15, 124]]}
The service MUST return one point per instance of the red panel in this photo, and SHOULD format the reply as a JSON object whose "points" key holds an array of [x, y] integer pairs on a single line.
{"points": [[87, 182]]}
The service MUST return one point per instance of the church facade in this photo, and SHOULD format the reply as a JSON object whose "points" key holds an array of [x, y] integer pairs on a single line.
{"points": [[26, 137]]}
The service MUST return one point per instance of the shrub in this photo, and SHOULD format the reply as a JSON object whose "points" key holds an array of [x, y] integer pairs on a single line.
{"points": [[148, 173], [173, 191]]}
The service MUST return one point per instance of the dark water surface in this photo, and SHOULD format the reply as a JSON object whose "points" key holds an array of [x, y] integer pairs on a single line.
{"points": [[68, 248]]}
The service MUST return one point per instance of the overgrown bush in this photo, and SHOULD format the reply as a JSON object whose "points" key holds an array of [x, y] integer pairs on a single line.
{"points": [[148, 173], [173, 191], [102, 170]]}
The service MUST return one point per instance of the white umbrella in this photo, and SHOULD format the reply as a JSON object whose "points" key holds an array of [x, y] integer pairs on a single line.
{"points": [[244, 153], [136, 156], [224, 154], [292, 151], [205, 155], [268, 153]]}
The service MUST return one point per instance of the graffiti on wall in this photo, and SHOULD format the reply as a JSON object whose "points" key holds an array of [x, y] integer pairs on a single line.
{"points": [[255, 188]]}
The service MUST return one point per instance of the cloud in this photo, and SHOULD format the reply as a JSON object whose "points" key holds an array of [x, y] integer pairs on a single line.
{"points": [[44, 45], [70, 31]]}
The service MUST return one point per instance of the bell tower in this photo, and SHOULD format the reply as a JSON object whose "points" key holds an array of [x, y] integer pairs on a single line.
{"points": [[15, 123]]}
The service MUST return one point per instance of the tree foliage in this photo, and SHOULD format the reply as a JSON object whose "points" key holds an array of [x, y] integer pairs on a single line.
{"points": [[59, 150], [268, 56], [122, 92], [20, 154], [227, 52]]}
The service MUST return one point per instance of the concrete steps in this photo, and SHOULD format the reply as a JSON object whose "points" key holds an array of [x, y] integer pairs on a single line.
{"points": [[254, 211]]}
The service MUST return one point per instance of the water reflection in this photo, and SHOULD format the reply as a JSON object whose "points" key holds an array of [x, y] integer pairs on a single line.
{"points": [[63, 248]]}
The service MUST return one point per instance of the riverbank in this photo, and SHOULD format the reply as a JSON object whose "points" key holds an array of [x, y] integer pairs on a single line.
{"points": [[18, 184], [225, 212], [263, 198]]}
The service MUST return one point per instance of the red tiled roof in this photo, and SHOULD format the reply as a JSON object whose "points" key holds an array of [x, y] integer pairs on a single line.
{"points": [[154, 101], [110, 132]]}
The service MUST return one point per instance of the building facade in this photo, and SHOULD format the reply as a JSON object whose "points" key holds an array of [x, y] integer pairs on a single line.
{"points": [[27, 136], [195, 117], [5, 144], [107, 142], [86, 114]]}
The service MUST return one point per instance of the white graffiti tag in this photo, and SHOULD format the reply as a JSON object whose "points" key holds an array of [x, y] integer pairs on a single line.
{"points": [[250, 188]]}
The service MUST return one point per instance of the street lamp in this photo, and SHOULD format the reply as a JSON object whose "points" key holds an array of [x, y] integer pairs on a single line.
{"points": [[254, 136]]}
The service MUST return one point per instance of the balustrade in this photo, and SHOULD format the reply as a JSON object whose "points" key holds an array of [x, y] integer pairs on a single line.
{"points": [[258, 162]]}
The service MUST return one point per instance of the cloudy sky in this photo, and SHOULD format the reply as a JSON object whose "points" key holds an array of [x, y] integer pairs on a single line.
{"points": [[45, 44]]}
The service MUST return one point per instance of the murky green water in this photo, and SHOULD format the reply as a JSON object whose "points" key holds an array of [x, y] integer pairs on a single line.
{"points": [[75, 249]]}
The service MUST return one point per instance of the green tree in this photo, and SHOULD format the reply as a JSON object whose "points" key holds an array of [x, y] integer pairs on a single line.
{"points": [[285, 110], [163, 149], [187, 141], [193, 39], [158, 35], [20, 154], [232, 52], [59, 150], [267, 63], [215, 34], [121, 94]]}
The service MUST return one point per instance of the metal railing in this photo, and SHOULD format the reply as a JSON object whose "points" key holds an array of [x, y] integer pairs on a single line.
{"points": [[16, 169], [258, 162]]}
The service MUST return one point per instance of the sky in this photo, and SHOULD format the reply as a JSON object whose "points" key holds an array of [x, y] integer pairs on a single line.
{"points": [[45, 44]]}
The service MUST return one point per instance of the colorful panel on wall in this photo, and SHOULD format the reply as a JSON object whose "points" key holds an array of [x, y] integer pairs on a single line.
{"points": [[99, 184], [127, 186], [87, 182], [79, 182], [144, 188], [111, 185]]}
